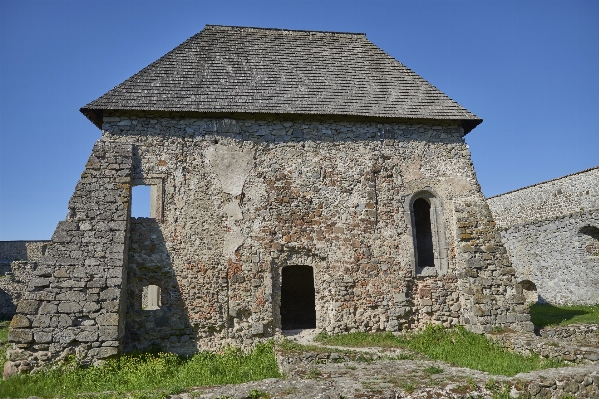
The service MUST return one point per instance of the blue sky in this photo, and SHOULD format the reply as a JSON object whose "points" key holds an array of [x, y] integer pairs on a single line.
{"points": [[528, 68]]}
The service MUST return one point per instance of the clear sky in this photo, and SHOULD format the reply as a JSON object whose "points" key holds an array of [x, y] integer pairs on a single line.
{"points": [[529, 68]]}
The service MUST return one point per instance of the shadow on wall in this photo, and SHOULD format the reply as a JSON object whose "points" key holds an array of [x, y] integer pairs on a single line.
{"points": [[7, 306], [156, 315]]}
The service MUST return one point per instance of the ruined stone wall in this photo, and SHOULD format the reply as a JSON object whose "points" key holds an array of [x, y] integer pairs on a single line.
{"points": [[17, 262], [232, 203], [12, 286], [73, 303], [21, 250], [551, 232], [241, 199]]}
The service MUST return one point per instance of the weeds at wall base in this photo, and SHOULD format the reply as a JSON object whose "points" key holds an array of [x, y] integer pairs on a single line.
{"points": [[146, 375]]}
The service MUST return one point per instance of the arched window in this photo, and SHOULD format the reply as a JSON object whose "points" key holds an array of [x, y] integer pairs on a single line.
{"points": [[529, 289], [424, 234], [590, 237], [424, 211]]}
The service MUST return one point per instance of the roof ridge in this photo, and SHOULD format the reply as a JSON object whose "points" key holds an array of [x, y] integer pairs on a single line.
{"points": [[285, 30], [546, 181]]}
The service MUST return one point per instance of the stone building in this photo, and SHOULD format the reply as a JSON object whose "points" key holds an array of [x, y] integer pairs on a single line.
{"points": [[551, 233], [297, 180]]}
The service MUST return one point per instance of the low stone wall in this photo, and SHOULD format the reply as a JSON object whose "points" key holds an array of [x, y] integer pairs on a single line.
{"points": [[579, 386], [13, 285], [21, 250]]}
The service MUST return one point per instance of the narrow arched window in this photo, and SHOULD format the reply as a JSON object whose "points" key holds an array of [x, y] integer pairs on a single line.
{"points": [[424, 210], [424, 233]]}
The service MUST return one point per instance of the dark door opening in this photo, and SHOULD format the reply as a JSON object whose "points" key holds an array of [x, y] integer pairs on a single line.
{"points": [[298, 304], [424, 233]]}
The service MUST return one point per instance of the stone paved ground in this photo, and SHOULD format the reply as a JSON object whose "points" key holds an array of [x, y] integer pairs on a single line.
{"points": [[343, 375]]}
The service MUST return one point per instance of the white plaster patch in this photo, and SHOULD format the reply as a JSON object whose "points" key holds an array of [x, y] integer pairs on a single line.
{"points": [[233, 240], [232, 166], [233, 212]]}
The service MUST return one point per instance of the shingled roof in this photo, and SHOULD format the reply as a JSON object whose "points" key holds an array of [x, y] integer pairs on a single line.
{"points": [[225, 69]]}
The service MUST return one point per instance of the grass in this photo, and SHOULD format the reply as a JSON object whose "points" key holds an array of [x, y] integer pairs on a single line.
{"points": [[146, 375], [3, 340], [456, 346], [543, 315]]}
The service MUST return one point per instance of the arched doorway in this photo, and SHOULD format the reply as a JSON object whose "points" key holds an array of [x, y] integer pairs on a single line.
{"points": [[529, 289], [298, 304]]}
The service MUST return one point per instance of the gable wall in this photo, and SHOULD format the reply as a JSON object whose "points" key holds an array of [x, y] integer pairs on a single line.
{"points": [[238, 200], [244, 198]]}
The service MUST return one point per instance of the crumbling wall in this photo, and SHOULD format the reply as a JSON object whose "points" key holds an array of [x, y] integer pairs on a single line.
{"points": [[73, 304], [244, 198], [22, 250], [12, 286], [17, 262], [551, 231]]}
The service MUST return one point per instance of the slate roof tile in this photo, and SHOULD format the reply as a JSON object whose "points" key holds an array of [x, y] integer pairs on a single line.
{"points": [[255, 70]]}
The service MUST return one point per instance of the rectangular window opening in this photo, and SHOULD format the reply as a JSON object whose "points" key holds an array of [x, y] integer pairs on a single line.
{"points": [[140, 201], [151, 298]]}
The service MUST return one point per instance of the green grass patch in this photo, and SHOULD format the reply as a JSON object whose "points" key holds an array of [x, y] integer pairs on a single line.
{"points": [[146, 375], [543, 315], [4, 331], [456, 346], [4, 345]]}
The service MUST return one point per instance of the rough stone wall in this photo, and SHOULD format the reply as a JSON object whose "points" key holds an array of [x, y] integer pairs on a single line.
{"points": [[73, 304], [235, 201], [244, 198], [551, 231], [22, 250], [17, 262], [13, 285]]}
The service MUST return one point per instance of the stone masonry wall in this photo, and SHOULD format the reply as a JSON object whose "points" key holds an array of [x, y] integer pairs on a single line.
{"points": [[13, 285], [241, 199], [22, 250], [73, 305], [551, 232], [17, 262]]}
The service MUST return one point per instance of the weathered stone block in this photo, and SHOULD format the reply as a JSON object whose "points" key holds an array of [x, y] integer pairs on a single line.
{"points": [[28, 306], [87, 336], [20, 336], [41, 337], [108, 319], [19, 321], [69, 307]]}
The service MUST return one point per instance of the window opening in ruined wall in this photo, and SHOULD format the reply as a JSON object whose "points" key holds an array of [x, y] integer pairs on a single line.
{"points": [[298, 303], [146, 198], [529, 290], [140, 201], [590, 237], [151, 297], [424, 210]]}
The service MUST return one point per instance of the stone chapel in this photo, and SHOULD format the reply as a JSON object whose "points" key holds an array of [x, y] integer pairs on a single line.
{"points": [[297, 179]]}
